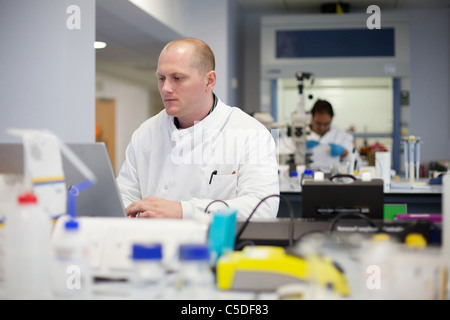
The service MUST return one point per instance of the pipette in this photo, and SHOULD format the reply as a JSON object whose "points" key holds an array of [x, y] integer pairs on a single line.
{"points": [[417, 157], [405, 156], [412, 142]]}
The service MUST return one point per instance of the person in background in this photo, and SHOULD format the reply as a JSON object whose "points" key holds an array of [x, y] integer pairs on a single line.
{"points": [[326, 145], [197, 150]]}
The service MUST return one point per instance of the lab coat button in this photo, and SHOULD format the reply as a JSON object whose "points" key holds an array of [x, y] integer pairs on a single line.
{"points": [[166, 187]]}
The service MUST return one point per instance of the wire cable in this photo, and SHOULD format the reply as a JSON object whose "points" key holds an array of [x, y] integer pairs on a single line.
{"points": [[218, 200], [291, 221], [357, 214]]}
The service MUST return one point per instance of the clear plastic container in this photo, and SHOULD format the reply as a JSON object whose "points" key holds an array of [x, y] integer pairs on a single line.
{"points": [[71, 278], [195, 278], [294, 182], [149, 274], [308, 175], [377, 262]]}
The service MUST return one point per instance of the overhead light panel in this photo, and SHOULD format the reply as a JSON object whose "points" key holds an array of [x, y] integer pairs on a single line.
{"points": [[99, 44]]}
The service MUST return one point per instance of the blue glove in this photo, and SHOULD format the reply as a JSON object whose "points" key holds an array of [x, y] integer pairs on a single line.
{"points": [[311, 144], [336, 150]]}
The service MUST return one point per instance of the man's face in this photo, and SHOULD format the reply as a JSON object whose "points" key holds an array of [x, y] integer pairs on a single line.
{"points": [[320, 123], [181, 86]]}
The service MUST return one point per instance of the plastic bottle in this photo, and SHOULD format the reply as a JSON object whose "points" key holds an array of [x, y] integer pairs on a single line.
{"points": [[294, 182], [27, 250], [71, 278], [418, 270], [308, 175], [149, 274], [377, 262], [195, 279]]}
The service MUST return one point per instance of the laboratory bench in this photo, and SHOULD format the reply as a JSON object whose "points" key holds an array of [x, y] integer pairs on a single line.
{"points": [[283, 231], [422, 199], [287, 231]]}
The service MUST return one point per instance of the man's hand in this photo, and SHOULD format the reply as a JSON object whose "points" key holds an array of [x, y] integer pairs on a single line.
{"points": [[152, 207]]}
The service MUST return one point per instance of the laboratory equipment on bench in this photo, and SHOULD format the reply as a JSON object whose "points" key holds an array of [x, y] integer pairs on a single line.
{"points": [[194, 279], [221, 234], [109, 241], [148, 275], [383, 167], [27, 250], [299, 126], [70, 277], [45, 171], [446, 220], [291, 136], [342, 194], [266, 268], [411, 153]]}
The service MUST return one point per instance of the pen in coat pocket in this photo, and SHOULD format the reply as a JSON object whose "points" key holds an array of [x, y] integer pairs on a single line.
{"points": [[212, 175]]}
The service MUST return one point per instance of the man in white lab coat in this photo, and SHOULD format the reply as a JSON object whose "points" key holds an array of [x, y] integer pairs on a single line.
{"points": [[327, 146], [198, 152]]}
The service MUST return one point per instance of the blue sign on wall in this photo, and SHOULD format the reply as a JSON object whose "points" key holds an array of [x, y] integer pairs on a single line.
{"points": [[335, 43]]}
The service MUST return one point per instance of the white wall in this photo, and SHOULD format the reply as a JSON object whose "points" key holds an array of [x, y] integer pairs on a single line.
{"points": [[132, 108], [208, 20], [251, 56], [430, 82], [48, 71]]}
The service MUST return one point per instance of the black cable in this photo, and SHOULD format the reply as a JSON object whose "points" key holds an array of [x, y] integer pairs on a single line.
{"points": [[218, 200], [291, 222], [243, 244], [343, 176], [360, 215]]}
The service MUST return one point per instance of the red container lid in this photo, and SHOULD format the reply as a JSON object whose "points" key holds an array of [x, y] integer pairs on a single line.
{"points": [[27, 197]]}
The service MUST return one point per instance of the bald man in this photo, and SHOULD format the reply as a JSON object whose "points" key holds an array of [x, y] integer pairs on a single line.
{"points": [[198, 153]]}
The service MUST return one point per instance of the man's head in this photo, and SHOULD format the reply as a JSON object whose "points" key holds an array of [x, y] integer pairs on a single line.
{"points": [[186, 79], [322, 114]]}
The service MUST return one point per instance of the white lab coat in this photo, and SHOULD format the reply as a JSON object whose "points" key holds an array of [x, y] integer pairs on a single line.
{"points": [[321, 156], [177, 164]]}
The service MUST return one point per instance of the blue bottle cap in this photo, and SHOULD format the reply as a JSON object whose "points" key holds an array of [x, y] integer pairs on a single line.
{"points": [[194, 252], [308, 172], [71, 225], [147, 251], [294, 174]]}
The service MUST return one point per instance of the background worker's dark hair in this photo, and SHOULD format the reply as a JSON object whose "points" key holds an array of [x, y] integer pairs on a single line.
{"points": [[322, 106]]}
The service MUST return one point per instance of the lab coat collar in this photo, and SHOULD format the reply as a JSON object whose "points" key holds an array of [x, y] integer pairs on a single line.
{"points": [[212, 121]]}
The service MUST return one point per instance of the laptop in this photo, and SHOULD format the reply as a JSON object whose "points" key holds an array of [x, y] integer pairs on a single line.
{"points": [[101, 199]]}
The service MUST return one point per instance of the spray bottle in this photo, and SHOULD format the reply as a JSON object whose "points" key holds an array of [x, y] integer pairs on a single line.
{"points": [[27, 250]]}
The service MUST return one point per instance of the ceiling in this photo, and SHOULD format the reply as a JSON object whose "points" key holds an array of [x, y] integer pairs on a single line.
{"points": [[314, 6], [135, 38]]}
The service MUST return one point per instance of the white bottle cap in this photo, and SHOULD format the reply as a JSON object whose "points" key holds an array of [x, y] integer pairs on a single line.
{"points": [[366, 176], [318, 176]]}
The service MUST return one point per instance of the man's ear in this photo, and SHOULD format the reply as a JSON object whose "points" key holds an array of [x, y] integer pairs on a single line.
{"points": [[210, 80]]}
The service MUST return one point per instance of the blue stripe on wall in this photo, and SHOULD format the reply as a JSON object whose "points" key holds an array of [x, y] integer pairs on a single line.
{"points": [[335, 43]]}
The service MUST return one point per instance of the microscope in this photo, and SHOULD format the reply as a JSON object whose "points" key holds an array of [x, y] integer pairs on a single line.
{"points": [[299, 126]]}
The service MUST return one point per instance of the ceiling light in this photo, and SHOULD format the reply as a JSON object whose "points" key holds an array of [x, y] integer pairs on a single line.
{"points": [[99, 45]]}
